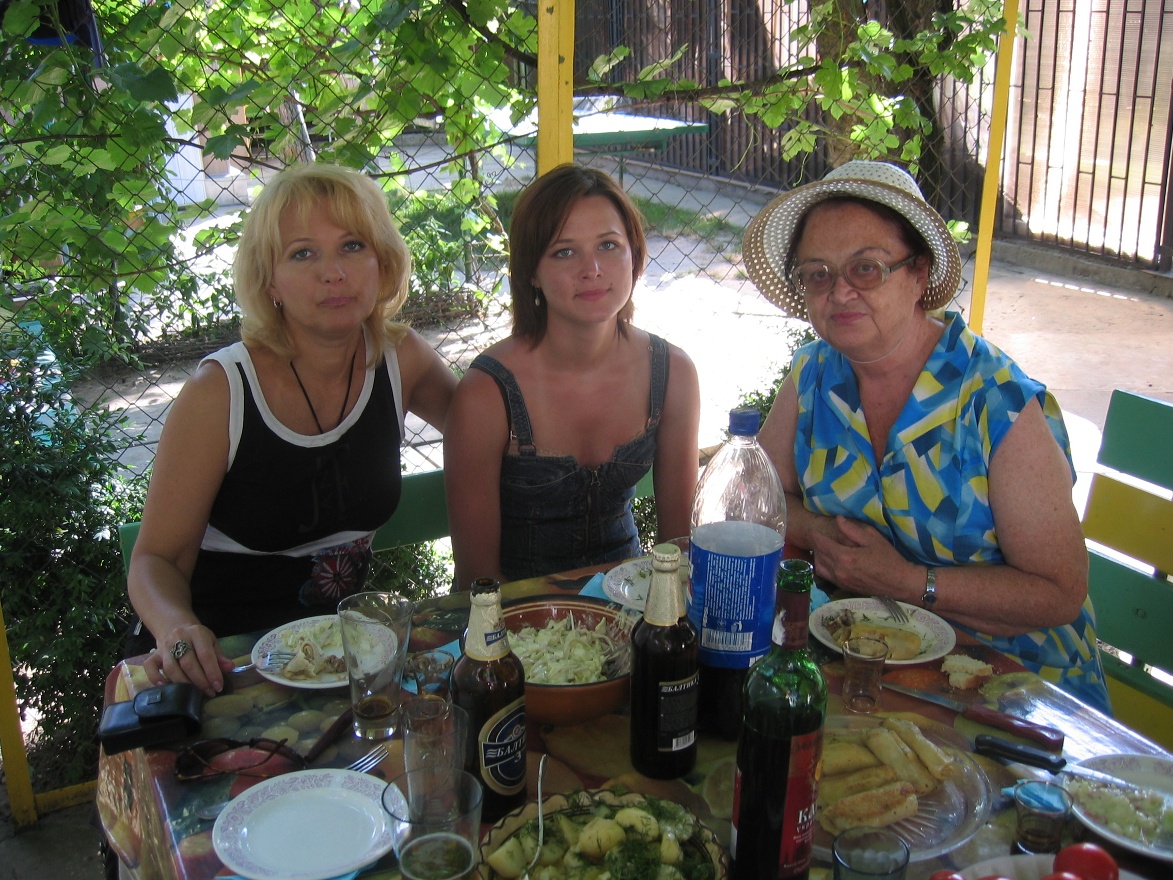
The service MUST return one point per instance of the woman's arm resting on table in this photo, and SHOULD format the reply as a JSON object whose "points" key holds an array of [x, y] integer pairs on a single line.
{"points": [[1044, 580], [428, 382], [189, 467], [674, 473], [476, 436]]}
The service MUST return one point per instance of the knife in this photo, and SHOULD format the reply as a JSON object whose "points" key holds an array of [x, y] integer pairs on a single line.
{"points": [[996, 747], [1046, 736]]}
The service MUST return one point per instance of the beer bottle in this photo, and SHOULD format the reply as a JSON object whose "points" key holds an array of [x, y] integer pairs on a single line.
{"points": [[488, 682], [664, 679], [781, 744]]}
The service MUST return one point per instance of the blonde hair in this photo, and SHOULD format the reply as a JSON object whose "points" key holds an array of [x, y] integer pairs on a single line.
{"points": [[357, 204]]}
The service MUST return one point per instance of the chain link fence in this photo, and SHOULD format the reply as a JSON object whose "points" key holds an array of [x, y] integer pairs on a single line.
{"points": [[133, 137]]}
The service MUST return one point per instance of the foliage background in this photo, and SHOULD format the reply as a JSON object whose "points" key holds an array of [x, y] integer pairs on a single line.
{"points": [[124, 169]]}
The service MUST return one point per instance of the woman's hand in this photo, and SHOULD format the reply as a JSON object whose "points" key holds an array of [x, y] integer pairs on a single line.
{"points": [[856, 556], [189, 653]]}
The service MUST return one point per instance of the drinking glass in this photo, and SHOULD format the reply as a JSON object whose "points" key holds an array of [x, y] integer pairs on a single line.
{"points": [[431, 671], [870, 854], [434, 733], [435, 818], [375, 630], [863, 660], [1041, 810]]}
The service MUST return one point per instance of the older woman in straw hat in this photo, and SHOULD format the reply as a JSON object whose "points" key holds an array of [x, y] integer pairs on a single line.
{"points": [[920, 461], [280, 457]]}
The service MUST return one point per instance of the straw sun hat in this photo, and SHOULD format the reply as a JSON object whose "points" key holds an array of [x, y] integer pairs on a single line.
{"points": [[770, 235]]}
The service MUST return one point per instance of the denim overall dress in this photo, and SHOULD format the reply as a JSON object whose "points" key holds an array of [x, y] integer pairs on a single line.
{"points": [[557, 515]]}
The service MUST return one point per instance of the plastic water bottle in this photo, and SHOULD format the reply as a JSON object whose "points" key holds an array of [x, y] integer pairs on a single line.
{"points": [[738, 528]]}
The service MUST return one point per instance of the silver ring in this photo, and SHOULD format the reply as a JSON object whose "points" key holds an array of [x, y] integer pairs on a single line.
{"points": [[179, 649]]}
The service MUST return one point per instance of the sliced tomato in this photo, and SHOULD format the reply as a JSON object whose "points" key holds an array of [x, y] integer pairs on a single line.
{"points": [[946, 875], [1087, 860], [1063, 875]]}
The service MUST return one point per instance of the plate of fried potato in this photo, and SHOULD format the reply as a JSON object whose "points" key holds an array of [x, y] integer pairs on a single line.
{"points": [[889, 772], [925, 637]]}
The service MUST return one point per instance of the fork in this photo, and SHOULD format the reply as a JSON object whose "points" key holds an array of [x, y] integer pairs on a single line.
{"points": [[895, 611], [370, 760], [533, 863], [272, 661]]}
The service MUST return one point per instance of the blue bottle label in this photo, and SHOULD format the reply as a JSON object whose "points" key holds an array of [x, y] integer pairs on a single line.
{"points": [[734, 572]]}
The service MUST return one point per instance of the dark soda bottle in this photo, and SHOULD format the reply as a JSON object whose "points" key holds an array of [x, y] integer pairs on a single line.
{"points": [[664, 681], [488, 682], [784, 706]]}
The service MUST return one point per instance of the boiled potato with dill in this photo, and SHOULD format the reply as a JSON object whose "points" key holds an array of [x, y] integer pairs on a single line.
{"points": [[603, 835]]}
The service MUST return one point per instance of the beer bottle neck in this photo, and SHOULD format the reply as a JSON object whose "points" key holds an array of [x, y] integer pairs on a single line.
{"points": [[486, 638], [665, 603]]}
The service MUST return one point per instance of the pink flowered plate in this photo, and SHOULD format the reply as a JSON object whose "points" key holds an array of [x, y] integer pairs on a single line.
{"points": [[937, 637], [308, 825], [275, 641]]}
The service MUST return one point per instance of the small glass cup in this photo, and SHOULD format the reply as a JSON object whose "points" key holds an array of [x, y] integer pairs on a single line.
{"points": [[431, 671], [1042, 809], [435, 818], [870, 854], [863, 661]]}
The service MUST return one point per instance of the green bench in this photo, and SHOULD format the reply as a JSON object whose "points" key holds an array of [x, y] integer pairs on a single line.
{"points": [[1129, 529]]}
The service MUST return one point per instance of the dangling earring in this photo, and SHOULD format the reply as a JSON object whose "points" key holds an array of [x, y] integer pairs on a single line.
{"points": [[537, 297], [277, 304]]}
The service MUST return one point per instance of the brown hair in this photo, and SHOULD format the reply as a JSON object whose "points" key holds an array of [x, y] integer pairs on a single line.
{"points": [[539, 216], [357, 204]]}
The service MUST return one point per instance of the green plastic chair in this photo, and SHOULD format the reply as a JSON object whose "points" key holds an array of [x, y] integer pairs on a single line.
{"points": [[1129, 528]]}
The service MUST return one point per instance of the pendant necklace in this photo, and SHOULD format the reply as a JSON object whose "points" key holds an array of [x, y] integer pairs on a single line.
{"points": [[310, 403]]}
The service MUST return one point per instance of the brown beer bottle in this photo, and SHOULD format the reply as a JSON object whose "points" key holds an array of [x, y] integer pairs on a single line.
{"points": [[488, 682], [664, 676]]}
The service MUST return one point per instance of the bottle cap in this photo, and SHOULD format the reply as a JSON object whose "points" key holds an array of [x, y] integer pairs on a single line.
{"points": [[485, 585], [666, 554], [744, 421]]}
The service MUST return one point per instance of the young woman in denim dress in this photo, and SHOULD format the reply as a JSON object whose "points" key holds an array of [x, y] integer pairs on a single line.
{"points": [[552, 428]]}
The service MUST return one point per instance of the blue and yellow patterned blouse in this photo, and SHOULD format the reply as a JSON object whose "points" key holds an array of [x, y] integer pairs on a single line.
{"points": [[930, 494]]}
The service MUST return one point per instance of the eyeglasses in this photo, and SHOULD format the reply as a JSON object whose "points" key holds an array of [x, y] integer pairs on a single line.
{"points": [[816, 277], [199, 760]]}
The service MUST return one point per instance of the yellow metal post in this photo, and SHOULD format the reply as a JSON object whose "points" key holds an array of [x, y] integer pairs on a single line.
{"points": [[16, 762], [993, 181], [555, 83]]}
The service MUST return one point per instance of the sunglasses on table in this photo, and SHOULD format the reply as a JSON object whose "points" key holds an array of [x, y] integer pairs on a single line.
{"points": [[816, 277], [198, 760]]}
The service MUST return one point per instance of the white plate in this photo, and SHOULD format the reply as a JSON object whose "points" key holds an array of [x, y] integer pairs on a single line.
{"points": [[1146, 771], [272, 641], [308, 825], [948, 816], [628, 582], [937, 637], [1021, 868]]}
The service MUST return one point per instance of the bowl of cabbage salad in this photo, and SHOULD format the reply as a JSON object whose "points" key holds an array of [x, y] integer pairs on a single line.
{"points": [[576, 651]]}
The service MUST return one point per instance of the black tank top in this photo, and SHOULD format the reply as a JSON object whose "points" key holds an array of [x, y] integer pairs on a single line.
{"points": [[290, 529]]}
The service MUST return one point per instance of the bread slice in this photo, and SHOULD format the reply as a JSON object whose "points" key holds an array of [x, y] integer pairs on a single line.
{"points": [[966, 673]]}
